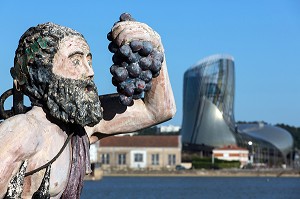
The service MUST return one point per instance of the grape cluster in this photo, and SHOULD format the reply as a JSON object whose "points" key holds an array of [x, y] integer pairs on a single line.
{"points": [[134, 66]]}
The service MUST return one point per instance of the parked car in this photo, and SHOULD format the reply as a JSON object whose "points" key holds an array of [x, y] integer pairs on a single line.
{"points": [[179, 167]]}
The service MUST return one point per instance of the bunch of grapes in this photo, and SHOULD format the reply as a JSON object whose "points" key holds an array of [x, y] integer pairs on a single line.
{"points": [[134, 66]]}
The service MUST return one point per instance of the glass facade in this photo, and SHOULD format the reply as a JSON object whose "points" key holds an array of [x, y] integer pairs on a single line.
{"points": [[208, 102], [208, 114], [267, 139]]}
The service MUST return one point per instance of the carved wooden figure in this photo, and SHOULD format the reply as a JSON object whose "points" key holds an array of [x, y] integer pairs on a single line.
{"points": [[44, 152]]}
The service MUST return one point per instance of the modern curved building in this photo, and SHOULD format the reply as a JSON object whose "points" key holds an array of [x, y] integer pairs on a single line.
{"points": [[208, 115]]}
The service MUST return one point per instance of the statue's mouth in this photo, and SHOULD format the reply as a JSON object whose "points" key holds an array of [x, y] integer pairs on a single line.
{"points": [[89, 88]]}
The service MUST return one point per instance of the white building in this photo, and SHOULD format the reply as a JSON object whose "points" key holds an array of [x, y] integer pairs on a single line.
{"points": [[231, 152], [169, 128]]}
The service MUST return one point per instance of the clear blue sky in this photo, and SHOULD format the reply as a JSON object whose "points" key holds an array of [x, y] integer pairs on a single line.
{"points": [[262, 36]]}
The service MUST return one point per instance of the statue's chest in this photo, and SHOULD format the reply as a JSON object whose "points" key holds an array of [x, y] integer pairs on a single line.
{"points": [[59, 171]]}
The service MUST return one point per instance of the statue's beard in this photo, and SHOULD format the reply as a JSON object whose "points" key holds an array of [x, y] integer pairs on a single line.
{"points": [[74, 101]]}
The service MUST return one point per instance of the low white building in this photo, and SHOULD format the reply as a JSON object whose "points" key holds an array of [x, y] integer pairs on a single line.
{"points": [[170, 128], [231, 152]]}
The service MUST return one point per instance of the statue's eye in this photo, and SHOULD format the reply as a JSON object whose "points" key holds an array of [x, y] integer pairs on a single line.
{"points": [[76, 62], [89, 59], [76, 58], [90, 62]]}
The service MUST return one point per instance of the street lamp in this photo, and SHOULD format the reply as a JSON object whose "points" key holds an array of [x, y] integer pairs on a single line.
{"points": [[250, 143]]}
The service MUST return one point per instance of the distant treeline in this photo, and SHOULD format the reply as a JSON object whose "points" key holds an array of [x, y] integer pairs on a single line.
{"points": [[155, 130]]}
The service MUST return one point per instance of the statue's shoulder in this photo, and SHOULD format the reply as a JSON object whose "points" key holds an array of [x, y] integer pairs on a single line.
{"points": [[22, 135], [27, 122]]}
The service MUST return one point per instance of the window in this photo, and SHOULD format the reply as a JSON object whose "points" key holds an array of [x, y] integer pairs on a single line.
{"points": [[155, 159], [171, 159], [138, 157], [105, 158], [122, 159]]}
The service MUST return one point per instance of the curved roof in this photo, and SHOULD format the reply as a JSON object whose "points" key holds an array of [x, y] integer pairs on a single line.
{"points": [[211, 59], [279, 137]]}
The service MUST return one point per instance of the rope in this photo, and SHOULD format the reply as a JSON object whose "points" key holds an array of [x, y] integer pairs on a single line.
{"points": [[53, 159]]}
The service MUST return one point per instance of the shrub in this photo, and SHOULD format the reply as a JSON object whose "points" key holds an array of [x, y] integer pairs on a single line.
{"points": [[206, 163]]}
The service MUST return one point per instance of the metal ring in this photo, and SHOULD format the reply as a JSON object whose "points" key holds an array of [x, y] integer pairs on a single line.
{"points": [[4, 114]]}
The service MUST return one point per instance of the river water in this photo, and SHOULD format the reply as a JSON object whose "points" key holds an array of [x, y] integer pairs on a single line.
{"points": [[193, 187]]}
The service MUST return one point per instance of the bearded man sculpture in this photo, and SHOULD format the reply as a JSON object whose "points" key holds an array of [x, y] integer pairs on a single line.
{"points": [[53, 67]]}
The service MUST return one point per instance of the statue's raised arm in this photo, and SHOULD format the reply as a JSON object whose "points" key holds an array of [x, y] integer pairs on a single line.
{"points": [[144, 87]]}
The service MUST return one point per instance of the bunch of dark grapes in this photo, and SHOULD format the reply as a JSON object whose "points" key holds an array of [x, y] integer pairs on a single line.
{"points": [[134, 66]]}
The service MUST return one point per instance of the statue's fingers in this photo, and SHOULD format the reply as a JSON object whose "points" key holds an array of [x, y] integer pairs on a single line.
{"points": [[120, 26], [126, 36], [135, 31]]}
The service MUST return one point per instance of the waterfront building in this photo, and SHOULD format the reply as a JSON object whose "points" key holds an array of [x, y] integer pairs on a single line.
{"points": [[169, 129], [139, 152], [231, 153], [208, 116]]}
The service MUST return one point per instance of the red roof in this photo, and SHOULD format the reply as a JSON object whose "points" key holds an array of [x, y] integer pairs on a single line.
{"points": [[231, 147], [140, 141]]}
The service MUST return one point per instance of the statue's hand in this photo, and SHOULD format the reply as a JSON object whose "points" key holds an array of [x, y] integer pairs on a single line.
{"points": [[139, 70], [124, 32], [138, 57]]}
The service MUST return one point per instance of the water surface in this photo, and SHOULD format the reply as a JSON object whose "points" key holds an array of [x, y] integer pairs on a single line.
{"points": [[193, 187]]}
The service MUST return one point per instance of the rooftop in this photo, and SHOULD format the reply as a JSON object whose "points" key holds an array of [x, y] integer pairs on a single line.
{"points": [[231, 147], [140, 141]]}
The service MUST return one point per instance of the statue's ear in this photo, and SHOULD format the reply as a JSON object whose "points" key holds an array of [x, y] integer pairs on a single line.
{"points": [[17, 85]]}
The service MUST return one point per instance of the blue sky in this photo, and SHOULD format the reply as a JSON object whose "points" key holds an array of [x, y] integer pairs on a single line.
{"points": [[262, 36]]}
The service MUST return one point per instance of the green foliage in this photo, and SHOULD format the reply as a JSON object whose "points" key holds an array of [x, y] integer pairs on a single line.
{"points": [[149, 131], [229, 164], [206, 163], [202, 165]]}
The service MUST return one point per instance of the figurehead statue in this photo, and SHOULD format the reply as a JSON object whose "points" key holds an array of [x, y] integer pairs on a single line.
{"points": [[44, 151]]}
